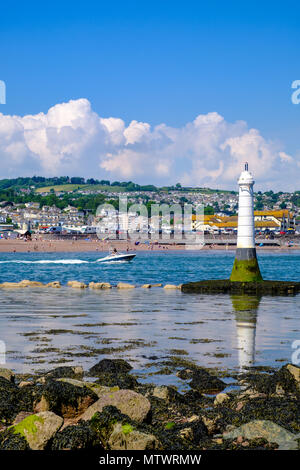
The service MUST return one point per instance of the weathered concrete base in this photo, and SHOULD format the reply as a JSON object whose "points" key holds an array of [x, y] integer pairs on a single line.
{"points": [[247, 254], [245, 267], [225, 286]]}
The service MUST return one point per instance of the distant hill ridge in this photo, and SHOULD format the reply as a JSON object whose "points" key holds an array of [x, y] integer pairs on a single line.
{"points": [[64, 183]]}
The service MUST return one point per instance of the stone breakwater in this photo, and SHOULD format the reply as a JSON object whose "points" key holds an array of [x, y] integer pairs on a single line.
{"points": [[107, 408], [81, 285], [214, 286], [225, 286]]}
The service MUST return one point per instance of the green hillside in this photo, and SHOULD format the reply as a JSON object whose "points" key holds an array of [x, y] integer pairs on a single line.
{"points": [[74, 187], [60, 187]]}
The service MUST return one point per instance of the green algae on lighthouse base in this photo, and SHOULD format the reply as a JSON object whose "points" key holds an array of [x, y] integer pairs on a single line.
{"points": [[247, 269]]}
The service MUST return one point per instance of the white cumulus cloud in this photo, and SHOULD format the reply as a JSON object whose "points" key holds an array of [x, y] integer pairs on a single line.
{"points": [[72, 139]]}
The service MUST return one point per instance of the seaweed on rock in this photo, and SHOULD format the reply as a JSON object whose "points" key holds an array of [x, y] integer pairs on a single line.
{"points": [[103, 423], [281, 410], [64, 399], [225, 286], [271, 383], [14, 399], [65, 372], [111, 366], [121, 380], [11, 441], [202, 380], [81, 436]]}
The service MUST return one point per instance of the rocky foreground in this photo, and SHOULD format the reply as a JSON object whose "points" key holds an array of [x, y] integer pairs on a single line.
{"points": [[106, 408]]}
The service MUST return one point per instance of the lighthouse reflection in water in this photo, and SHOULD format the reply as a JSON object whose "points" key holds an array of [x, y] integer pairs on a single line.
{"points": [[245, 308]]}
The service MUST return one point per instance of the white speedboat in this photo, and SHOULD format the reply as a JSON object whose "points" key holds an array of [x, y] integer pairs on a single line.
{"points": [[117, 257]]}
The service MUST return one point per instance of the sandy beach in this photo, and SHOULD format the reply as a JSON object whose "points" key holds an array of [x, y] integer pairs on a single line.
{"points": [[63, 246], [47, 246]]}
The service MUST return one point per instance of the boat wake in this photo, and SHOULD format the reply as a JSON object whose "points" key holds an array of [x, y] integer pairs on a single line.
{"points": [[121, 258], [46, 261]]}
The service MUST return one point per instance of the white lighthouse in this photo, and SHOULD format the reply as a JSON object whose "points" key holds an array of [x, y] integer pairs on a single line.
{"points": [[246, 233], [245, 268]]}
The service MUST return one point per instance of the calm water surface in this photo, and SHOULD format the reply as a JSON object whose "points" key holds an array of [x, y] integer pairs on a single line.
{"points": [[45, 328]]}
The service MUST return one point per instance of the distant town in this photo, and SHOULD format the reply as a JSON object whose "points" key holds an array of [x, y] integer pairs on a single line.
{"points": [[68, 205]]}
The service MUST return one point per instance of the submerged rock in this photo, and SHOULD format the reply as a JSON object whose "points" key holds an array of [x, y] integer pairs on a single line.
{"points": [[38, 428], [64, 399], [130, 403], [266, 429]]}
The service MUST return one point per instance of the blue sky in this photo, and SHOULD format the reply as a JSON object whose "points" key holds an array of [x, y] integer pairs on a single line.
{"points": [[156, 62]]}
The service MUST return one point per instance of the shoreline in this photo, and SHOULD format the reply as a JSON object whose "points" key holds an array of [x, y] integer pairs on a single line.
{"points": [[73, 246]]}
